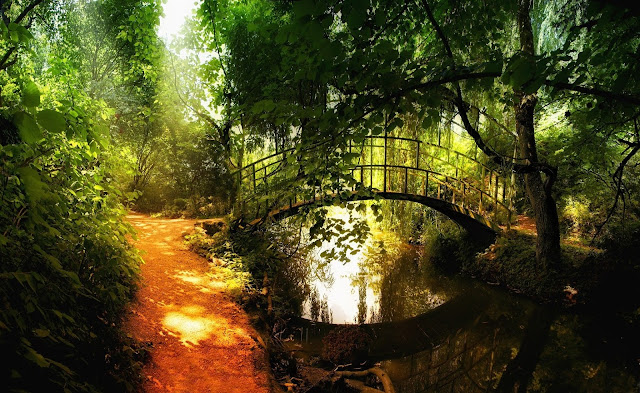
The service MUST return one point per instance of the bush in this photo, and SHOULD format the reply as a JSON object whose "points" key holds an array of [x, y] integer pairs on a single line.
{"points": [[578, 216], [451, 247], [181, 203], [67, 272]]}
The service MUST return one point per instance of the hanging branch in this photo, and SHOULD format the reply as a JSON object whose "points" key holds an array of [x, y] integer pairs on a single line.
{"points": [[215, 40], [505, 162], [628, 99], [617, 176], [223, 131]]}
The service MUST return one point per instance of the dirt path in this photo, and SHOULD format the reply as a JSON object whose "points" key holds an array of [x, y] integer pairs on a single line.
{"points": [[202, 341]]}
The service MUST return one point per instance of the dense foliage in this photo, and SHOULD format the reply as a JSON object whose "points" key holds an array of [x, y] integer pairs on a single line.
{"points": [[98, 113], [68, 271], [546, 91]]}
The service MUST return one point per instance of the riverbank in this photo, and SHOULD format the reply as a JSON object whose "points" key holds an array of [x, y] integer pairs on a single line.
{"points": [[409, 283], [588, 276]]}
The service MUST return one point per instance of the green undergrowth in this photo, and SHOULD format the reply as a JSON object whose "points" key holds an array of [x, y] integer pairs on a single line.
{"points": [[195, 207], [218, 249], [68, 271], [584, 276], [511, 262], [254, 267]]}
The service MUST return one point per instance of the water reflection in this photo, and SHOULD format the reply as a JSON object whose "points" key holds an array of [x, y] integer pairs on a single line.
{"points": [[384, 281], [503, 343]]}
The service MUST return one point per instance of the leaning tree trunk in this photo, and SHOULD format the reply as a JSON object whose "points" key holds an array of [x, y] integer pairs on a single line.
{"points": [[539, 191]]}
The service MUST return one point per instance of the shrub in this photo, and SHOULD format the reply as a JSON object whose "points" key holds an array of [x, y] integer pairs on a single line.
{"points": [[67, 272]]}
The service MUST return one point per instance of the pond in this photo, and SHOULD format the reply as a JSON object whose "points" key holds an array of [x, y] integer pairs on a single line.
{"points": [[439, 332]]}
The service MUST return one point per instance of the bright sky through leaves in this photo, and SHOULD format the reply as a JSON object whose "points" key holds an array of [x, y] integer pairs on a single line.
{"points": [[175, 12]]}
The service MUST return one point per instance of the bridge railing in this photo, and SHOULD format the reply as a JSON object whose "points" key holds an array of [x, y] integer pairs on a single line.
{"points": [[427, 183], [386, 164]]}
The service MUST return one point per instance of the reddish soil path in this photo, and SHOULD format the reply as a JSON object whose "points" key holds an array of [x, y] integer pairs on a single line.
{"points": [[202, 341]]}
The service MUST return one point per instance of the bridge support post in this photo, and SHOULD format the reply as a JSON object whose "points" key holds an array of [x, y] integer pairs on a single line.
{"points": [[253, 169], [384, 175], [495, 200], [464, 194], [406, 180]]}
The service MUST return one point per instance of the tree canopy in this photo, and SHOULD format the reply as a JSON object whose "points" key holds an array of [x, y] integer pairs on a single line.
{"points": [[532, 85]]}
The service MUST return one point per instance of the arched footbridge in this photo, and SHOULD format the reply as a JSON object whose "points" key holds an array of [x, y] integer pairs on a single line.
{"points": [[456, 184]]}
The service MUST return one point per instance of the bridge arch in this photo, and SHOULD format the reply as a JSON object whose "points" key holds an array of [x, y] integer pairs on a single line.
{"points": [[453, 183]]}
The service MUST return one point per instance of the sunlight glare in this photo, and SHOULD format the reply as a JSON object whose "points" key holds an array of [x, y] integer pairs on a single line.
{"points": [[175, 13], [342, 297], [193, 324]]}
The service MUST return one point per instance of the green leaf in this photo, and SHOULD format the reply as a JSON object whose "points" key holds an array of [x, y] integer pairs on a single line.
{"points": [[356, 17], [302, 8], [31, 95], [36, 358], [27, 128], [523, 71], [24, 35], [493, 66], [41, 332], [427, 122], [62, 316], [52, 260], [34, 187], [64, 368], [52, 120]]}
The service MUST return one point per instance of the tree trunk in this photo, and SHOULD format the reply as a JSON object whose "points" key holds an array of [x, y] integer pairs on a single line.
{"points": [[539, 191]]}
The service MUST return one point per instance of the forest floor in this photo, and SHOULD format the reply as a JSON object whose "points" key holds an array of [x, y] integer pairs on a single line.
{"points": [[527, 226], [200, 339]]}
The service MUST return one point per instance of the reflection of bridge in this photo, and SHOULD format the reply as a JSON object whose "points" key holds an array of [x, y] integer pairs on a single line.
{"points": [[457, 185], [392, 340], [452, 348]]}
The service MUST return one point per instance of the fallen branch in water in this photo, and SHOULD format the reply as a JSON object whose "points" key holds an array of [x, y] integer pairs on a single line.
{"points": [[378, 372], [360, 386]]}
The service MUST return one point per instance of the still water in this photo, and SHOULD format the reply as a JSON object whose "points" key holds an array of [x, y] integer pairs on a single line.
{"points": [[444, 333]]}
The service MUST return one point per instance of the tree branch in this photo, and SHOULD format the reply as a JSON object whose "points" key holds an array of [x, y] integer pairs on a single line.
{"points": [[26, 11], [629, 99], [198, 113], [459, 102], [215, 40], [4, 63], [617, 179]]}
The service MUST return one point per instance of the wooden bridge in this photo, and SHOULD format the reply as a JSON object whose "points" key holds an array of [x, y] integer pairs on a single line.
{"points": [[462, 187]]}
